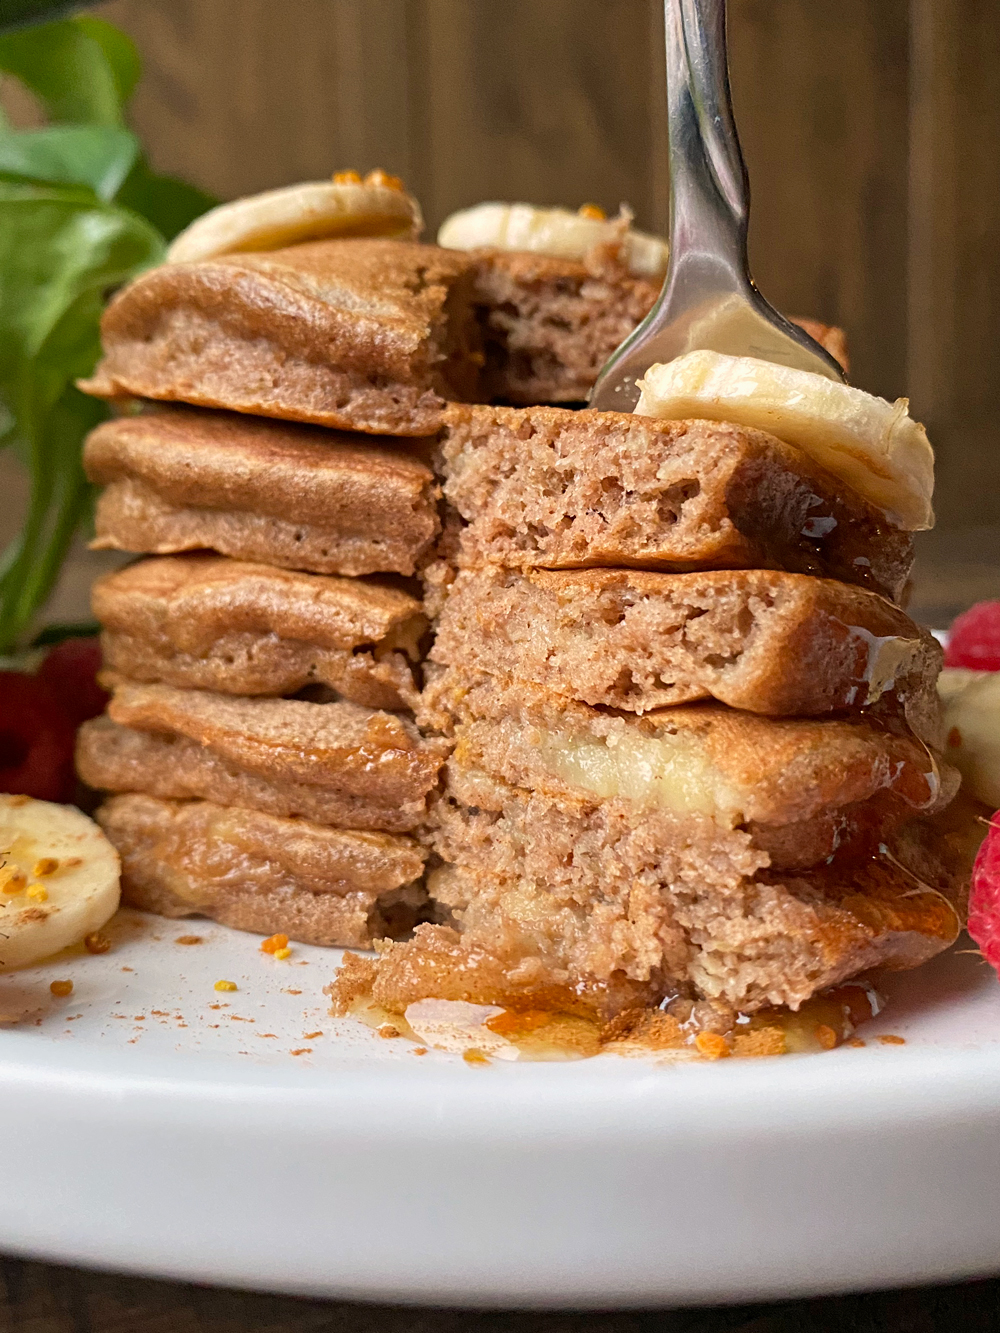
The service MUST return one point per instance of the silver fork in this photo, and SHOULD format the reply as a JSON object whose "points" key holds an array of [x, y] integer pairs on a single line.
{"points": [[709, 299]]}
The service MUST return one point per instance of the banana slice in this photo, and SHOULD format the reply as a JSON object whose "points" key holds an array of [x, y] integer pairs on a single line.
{"points": [[874, 446], [972, 725], [554, 231], [58, 879], [343, 206]]}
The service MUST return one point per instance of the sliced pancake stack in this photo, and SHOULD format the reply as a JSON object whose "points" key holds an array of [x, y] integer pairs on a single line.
{"points": [[689, 733], [279, 384], [270, 459], [692, 729], [695, 736]]}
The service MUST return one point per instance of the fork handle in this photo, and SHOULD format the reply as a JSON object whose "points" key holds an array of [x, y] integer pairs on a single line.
{"points": [[709, 188]]}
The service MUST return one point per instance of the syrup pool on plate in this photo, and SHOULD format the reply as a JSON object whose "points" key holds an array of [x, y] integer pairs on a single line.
{"points": [[682, 1030]]}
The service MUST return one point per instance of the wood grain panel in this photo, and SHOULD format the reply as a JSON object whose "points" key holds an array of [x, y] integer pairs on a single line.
{"points": [[379, 122], [820, 97], [240, 95], [544, 102], [954, 262], [871, 130]]}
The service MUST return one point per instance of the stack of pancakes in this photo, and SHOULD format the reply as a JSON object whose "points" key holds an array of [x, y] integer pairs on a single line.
{"points": [[694, 736], [689, 734], [266, 766]]}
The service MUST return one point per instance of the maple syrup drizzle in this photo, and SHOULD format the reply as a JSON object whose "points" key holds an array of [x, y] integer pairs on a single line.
{"points": [[822, 1023]]}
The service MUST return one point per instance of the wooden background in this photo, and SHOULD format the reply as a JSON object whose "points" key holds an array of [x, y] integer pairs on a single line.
{"points": [[871, 129]]}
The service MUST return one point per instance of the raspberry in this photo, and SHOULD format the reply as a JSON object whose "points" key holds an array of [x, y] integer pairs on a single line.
{"points": [[974, 639], [984, 900], [71, 670], [36, 740]]}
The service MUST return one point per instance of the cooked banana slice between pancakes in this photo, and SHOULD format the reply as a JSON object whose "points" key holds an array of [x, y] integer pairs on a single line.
{"points": [[553, 231], [58, 879], [972, 724], [874, 446], [343, 206]]}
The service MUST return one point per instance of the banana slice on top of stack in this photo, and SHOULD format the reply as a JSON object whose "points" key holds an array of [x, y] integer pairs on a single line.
{"points": [[345, 205], [554, 231], [59, 879], [874, 446]]}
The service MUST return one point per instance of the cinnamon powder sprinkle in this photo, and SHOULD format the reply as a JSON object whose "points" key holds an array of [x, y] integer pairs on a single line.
{"points": [[760, 1042], [712, 1045]]}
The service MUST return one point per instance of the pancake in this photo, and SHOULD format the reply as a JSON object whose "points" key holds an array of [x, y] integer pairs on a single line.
{"points": [[255, 872], [572, 906], [800, 788], [760, 640], [205, 622], [551, 323], [655, 927], [357, 334], [333, 763], [552, 488], [373, 335], [292, 496]]}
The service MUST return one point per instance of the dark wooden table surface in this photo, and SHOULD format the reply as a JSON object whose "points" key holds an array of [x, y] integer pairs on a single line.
{"points": [[39, 1298]]}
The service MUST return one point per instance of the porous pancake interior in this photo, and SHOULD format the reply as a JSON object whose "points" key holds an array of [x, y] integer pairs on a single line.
{"points": [[558, 489]]}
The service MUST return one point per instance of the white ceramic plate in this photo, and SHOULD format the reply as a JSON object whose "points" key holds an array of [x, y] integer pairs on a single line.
{"points": [[144, 1129]]}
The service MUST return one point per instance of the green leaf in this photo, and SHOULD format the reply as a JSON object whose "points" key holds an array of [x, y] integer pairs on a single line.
{"points": [[119, 51], [59, 256], [79, 629], [22, 13], [67, 69], [80, 213], [96, 156], [169, 204], [19, 13], [8, 426], [60, 497], [55, 249], [107, 161]]}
